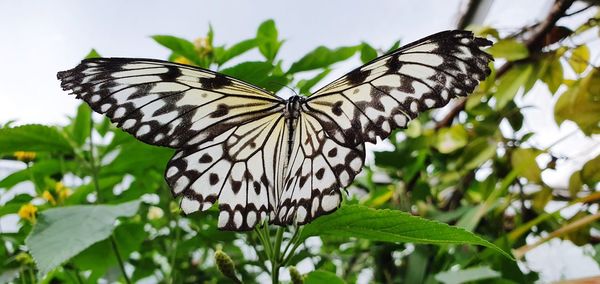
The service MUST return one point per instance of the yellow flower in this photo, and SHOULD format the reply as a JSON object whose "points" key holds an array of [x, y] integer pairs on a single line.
{"points": [[25, 156], [27, 212], [62, 191], [48, 196]]}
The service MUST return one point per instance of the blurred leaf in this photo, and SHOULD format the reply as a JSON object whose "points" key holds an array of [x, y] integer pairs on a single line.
{"points": [[390, 226], [510, 49], [450, 139], [579, 58], [235, 50], [484, 31], [82, 124], [267, 40], [467, 275], [322, 277], [136, 158], [575, 183], [322, 57], [523, 159], [581, 104], [179, 46], [367, 53], [61, 233], [510, 84], [306, 85], [553, 77], [541, 199], [253, 72], [394, 46], [41, 168], [477, 152], [34, 138]]}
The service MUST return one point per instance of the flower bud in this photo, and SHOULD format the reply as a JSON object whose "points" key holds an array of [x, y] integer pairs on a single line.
{"points": [[226, 265]]}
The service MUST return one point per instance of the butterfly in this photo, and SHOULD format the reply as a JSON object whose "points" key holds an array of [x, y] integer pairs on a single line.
{"points": [[263, 158]]}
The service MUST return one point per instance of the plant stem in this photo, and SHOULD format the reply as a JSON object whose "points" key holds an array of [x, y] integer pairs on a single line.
{"points": [[94, 172], [275, 261]]}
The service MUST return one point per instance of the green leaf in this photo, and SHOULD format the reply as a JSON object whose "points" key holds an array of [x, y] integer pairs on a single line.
{"points": [[467, 275], [322, 277], [92, 54], [61, 233], [226, 54], [553, 77], [253, 72], [305, 85], [267, 40], [390, 226], [322, 57], [523, 159], [477, 152], [179, 46], [451, 139], [81, 126], [34, 138], [581, 104], [394, 46], [510, 84], [579, 58], [37, 169], [367, 53], [510, 49]]}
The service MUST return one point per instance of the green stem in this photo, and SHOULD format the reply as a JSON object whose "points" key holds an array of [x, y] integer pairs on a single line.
{"points": [[94, 170], [275, 261], [174, 250]]}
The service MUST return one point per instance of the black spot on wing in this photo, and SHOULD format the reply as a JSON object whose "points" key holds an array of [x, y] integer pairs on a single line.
{"points": [[357, 76], [219, 81]]}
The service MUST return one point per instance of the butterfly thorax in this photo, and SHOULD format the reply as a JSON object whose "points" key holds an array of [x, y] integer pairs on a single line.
{"points": [[291, 115]]}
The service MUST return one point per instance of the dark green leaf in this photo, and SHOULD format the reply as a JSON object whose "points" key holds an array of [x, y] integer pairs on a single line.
{"points": [[553, 77], [323, 57], [61, 233], [34, 138], [477, 152], [390, 226], [41, 168]]}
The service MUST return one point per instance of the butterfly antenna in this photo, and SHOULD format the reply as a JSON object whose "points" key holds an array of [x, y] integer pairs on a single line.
{"points": [[285, 86]]}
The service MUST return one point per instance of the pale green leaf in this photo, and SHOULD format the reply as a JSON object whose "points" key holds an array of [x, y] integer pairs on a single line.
{"points": [[510, 84], [523, 159], [451, 139], [581, 104], [579, 58], [467, 275], [390, 226], [509, 49], [81, 126], [61, 233]]}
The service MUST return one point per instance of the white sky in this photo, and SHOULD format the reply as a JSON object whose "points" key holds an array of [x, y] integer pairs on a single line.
{"points": [[40, 38]]}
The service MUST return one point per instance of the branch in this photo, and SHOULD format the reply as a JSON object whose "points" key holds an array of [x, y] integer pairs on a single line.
{"points": [[467, 13], [534, 44]]}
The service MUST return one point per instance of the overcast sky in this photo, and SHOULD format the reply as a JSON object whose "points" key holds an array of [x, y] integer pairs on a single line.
{"points": [[40, 38]]}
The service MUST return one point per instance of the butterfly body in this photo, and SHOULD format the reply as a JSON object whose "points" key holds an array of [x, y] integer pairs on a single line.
{"points": [[263, 158]]}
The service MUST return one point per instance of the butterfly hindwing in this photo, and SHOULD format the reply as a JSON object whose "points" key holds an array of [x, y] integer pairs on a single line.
{"points": [[391, 90]]}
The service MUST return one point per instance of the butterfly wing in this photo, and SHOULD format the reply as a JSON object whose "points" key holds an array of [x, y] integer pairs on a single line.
{"points": [[318, 168], [386, 93], [164, 103], [230, 135]]}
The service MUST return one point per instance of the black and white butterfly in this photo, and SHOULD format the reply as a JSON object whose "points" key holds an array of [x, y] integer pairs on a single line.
{"points": [[264, 158]]}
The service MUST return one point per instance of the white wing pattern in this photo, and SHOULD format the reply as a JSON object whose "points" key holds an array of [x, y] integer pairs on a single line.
{"points": [[262, 158]]}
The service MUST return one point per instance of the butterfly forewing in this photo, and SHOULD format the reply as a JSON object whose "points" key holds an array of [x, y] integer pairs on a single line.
{"points": [[386, 93], [164, 103]]}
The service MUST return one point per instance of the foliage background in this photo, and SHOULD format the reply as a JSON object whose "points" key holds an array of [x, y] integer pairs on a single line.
{"points": [[473, 165]]}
